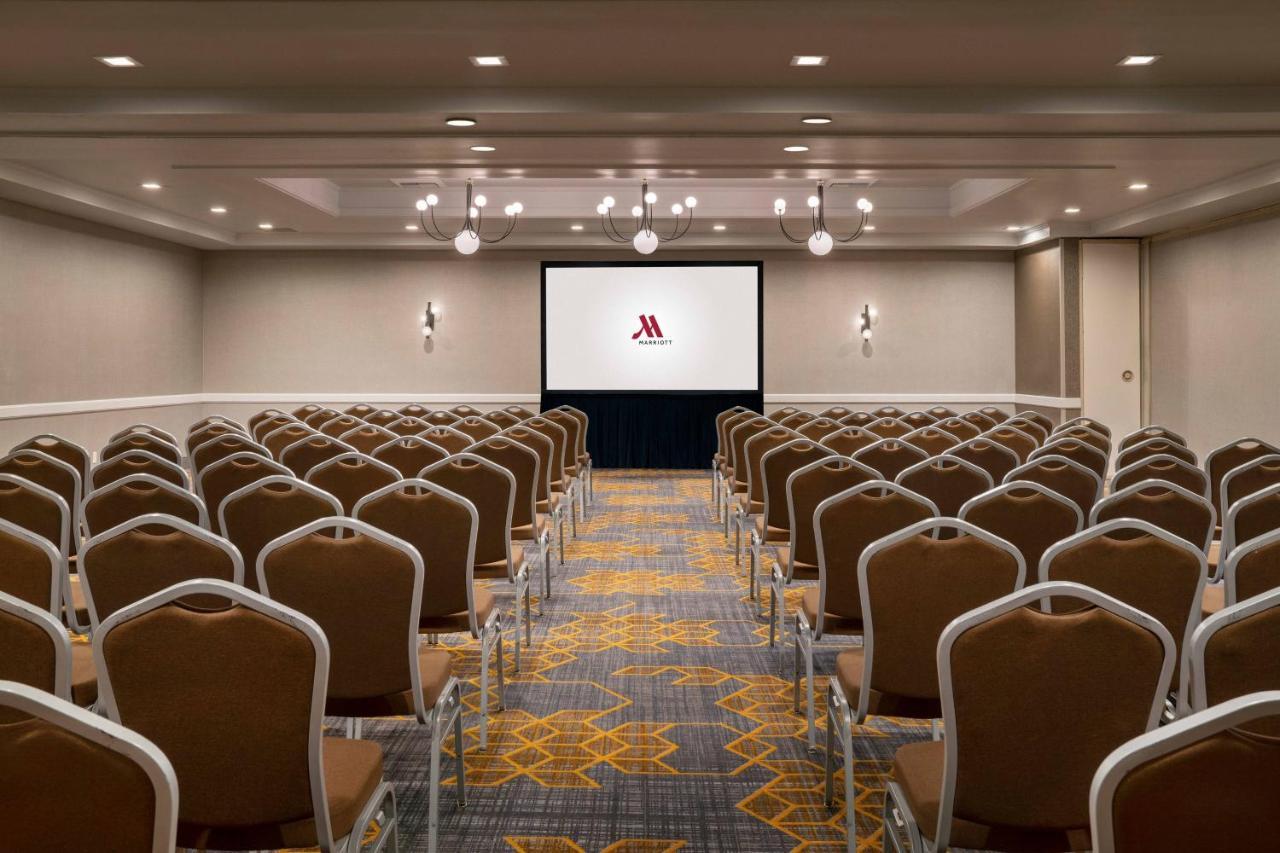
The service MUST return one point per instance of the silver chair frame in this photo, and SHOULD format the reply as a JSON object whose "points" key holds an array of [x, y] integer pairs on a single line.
{"points": [[1230, 567], [57, 634], [202, 512], [1148, 432], [1054, 458], [33, 444], [60, 581], [1269, 459], [272, 479], [542, 539], [1162, 458], [1142, 486]]}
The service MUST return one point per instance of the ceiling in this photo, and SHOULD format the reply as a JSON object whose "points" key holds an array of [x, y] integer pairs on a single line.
{"points": [[326, 119]]}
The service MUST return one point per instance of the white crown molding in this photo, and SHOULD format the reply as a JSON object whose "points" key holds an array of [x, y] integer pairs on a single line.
{"points": [[892, 397]]}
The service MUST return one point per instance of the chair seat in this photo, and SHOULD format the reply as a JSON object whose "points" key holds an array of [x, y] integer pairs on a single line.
{"points": [[532, 532], [831, 624], [748, 506], [553, 501], [352, 772], [1214, 556], [802, 571], [434, 667], [771, 534], [918, 769], [850, 665], [78, 602], [458, 622], [1213, 599], [585, 458], [84, 675], [498, 568]]}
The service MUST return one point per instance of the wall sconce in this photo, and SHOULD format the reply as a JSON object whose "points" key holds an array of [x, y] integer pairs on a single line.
{"points": [[429, 318], [865, 319]]}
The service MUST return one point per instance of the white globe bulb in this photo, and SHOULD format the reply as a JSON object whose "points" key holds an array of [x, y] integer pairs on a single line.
{"points": [[473, 210], [813, 201], [602, 209], [863, 204], [481, 201], [690, 202], [779, 206], [645, 242], [466, 243], [426, 331], [677, 209], [866, 334], [508, 210], [421, 204], [432, 201], [821, 243], [650, 197], [637, 211], [873, 312], [517, 207], [861, 322], [608, 201]]}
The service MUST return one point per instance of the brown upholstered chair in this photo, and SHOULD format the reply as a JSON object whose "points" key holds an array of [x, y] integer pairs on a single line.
{"points": [[409, 454], [806, 487], [948, 481], [1181, 512], [414, 410], [30, 570], [931, 440], [336, 426], [1162, 467], [222, 446], [147, 553], [1253, 568], [527, 524], [1250, 517], [306, 453], [888, 412], [501, 419], [452, 440], [1045, 422], [364, 590], [1088, 423], [1085, 683], [53, 474], [36, 510], [305, 411], [139, 494], [978, 419], [145, 429], [519, 411], [562, 473], [1146, 434], [136, 462], [1143, 565], [268, 507], [940, 413], [1029, 515], [849, 440], [1065, 476], [859, 419], [367, 438], [585, 467], [360, 410], [844, 525], [223, 477], [573, 469], [996, 459], [961, 429], [270, 424], [751, 502], [262, 417], [1232, 653], [547, 501], [819, 428], [210, 432], [278, 439], [1085, 434], [141, 441], [441, 418], [782, 414], [1156, 447], [75, 781], [1013, 438], [60, 448], [351, 476], [408, 425], [912, 585], [207, 420], [491, 489], [1038, 432], [797, 419], [1077, 451], [995, 413], [1139, 796], [477, 428], [1246, 479], [918, 420], [836, 412], [722, 459], [442, 526], [235, 698], [382, 417], [890, 456], [320, 417], [464, 411], [773, 524], [889, 428]]}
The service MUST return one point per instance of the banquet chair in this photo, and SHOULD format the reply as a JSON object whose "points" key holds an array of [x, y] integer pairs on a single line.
{"points": [[463, 410], [888, 412], [306, 453], [1013, 438], [527, 524], [782, 414], [889, 428], [1232, 654], [547, 501], [136, 462], [41, 512], [254, 421], [220, 447], [413, 410], [940, 413], [60, 448], [441, 418], [320, 417], [144, 429], [563, 479], [334, 427], [1028, 515], [581, 453], [223, 477], [270, 424], [751, 502], [1086, 434], [836, 412], [382, 417], [367, 437], [797, 419], [979, 420], [409, 454], [218, 419], [268, 507], [53, 474], [210, 432], [931, 440], [139, 494], [351, 476], [408, 425], [1155, 447], [819, 428], [1250, 517], [477, 428], [447, 437], [1246, 479], [1146, 434], [1252, 568], [574, 469], [1045, 422], [141, 441], [917, 420], [995, 413], [1038, 432], [727, 479], [305, 411], [1066, 477], [360, 410], [890, 456], [278, 439], [958, 427], [849, 440], [1162, 467], [1086, 422], [1077, 451], [948, 481], [859, 419], [519, 411], [501, 419], [773, 525], [1181, 512]]}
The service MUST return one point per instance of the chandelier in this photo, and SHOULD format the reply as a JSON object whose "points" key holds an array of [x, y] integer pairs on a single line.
{"points": [[468, 238], [820, 241], [645, 239]]}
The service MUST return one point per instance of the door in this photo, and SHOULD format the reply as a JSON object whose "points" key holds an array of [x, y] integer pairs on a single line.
{"points": [[1110, 334]]}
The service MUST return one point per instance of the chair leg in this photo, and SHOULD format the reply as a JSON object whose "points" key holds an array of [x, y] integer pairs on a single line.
{"points": [[572, 497], [737, 539], [561, 549], [829, 794], [484, 689], [850, 822], [544, 552], [804, 649], [433, 786], [458, 749], [502, 687]]}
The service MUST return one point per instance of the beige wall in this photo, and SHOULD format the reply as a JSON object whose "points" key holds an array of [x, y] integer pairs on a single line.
{"points": [[1215, 351], [1038, 320]]}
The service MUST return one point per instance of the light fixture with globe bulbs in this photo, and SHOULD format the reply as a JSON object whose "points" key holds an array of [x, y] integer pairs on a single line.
{"points": [[821, 242], [429, 318], [468, 237], [865, 319], [645, 239]]}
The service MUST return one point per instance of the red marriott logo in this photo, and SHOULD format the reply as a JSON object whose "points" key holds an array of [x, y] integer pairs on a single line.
{"points": [[651, 330]]}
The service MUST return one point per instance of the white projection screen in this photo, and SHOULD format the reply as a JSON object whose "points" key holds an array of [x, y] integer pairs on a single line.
{"points": [[651, 327]]}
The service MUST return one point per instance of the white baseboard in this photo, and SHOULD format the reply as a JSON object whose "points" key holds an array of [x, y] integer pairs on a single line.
{"points": [[931, 399]]}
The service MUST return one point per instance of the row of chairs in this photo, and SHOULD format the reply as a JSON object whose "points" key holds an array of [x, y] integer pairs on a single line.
{"points": [[354, 565]]}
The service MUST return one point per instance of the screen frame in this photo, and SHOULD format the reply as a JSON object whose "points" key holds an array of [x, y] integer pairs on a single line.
{"points": [[542, 329]]}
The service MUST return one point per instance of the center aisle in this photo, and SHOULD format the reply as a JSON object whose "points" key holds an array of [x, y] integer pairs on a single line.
{"points": [[651, 714]]}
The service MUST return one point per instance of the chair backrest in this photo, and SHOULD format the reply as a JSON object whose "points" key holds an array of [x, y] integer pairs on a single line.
{"points": [[995, 414], [948, 481], [364, 590], [1252, 568], [519, 411], [849, 440], [414, 410], [367, 438], [890, 456], [1251, 517], [270, 424], [731, 418], [819, 428], [1026, 425], [797, 419], [305, 411], [145, 429], [916, 420], [53, 474], [522, 461], [336, 426], [360, 410], [1065, 476], [836, 412], [1077, 451], [259, 417], [1044, 421], [931, 440], [559, 441], [140, 494], [440, 417], [278, 439], [1143, 565], [572, 428], [1181, 512], [941, 413], [74, 780], [409, 454], [319, 417], [141, 441], [180, 676], [491, 489], [776, 467], [1146, 434], [268, 507], [888, 412], [1165, 467], [37, 510], [1139, 794], [889, 427], [149, 553], [218, 419], [351, 476], [463, 410], [996, 459], [1252, 476], [60, 448], [226, 475], [960, 428], [209, 432], [37, 653], [382, 417], [501, 419], [222, 446], [1023, 690], [31, 569], [782, 414], [136, 462], [543, 447], [447, 437], [754, 450], [306, 453], [913, 584], [1085, 421], [807, 487], [442, 526], [1156, 447], [858, 419], [1232, 654], [477, 428], [738, 436], [1013, 438], [844, 525], [1030, 515], [1086, 434], [1232, 455]]}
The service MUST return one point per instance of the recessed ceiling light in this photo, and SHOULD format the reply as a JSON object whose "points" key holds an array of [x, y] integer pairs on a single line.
{"points": [[411, 228], [218, 209], [460, 122], [151, 185], [869, 228], [1140, 59], [1071, 210], [483, 149], [815, 120], [265, 226], [717, 227], [489, 61], [796, 149], [1138, 185], [1014, 227], [575, 227], [808, 61], [119, 61]]}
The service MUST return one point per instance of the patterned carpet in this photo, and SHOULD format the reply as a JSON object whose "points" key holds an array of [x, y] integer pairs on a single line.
{"points": [[650, 714]]}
